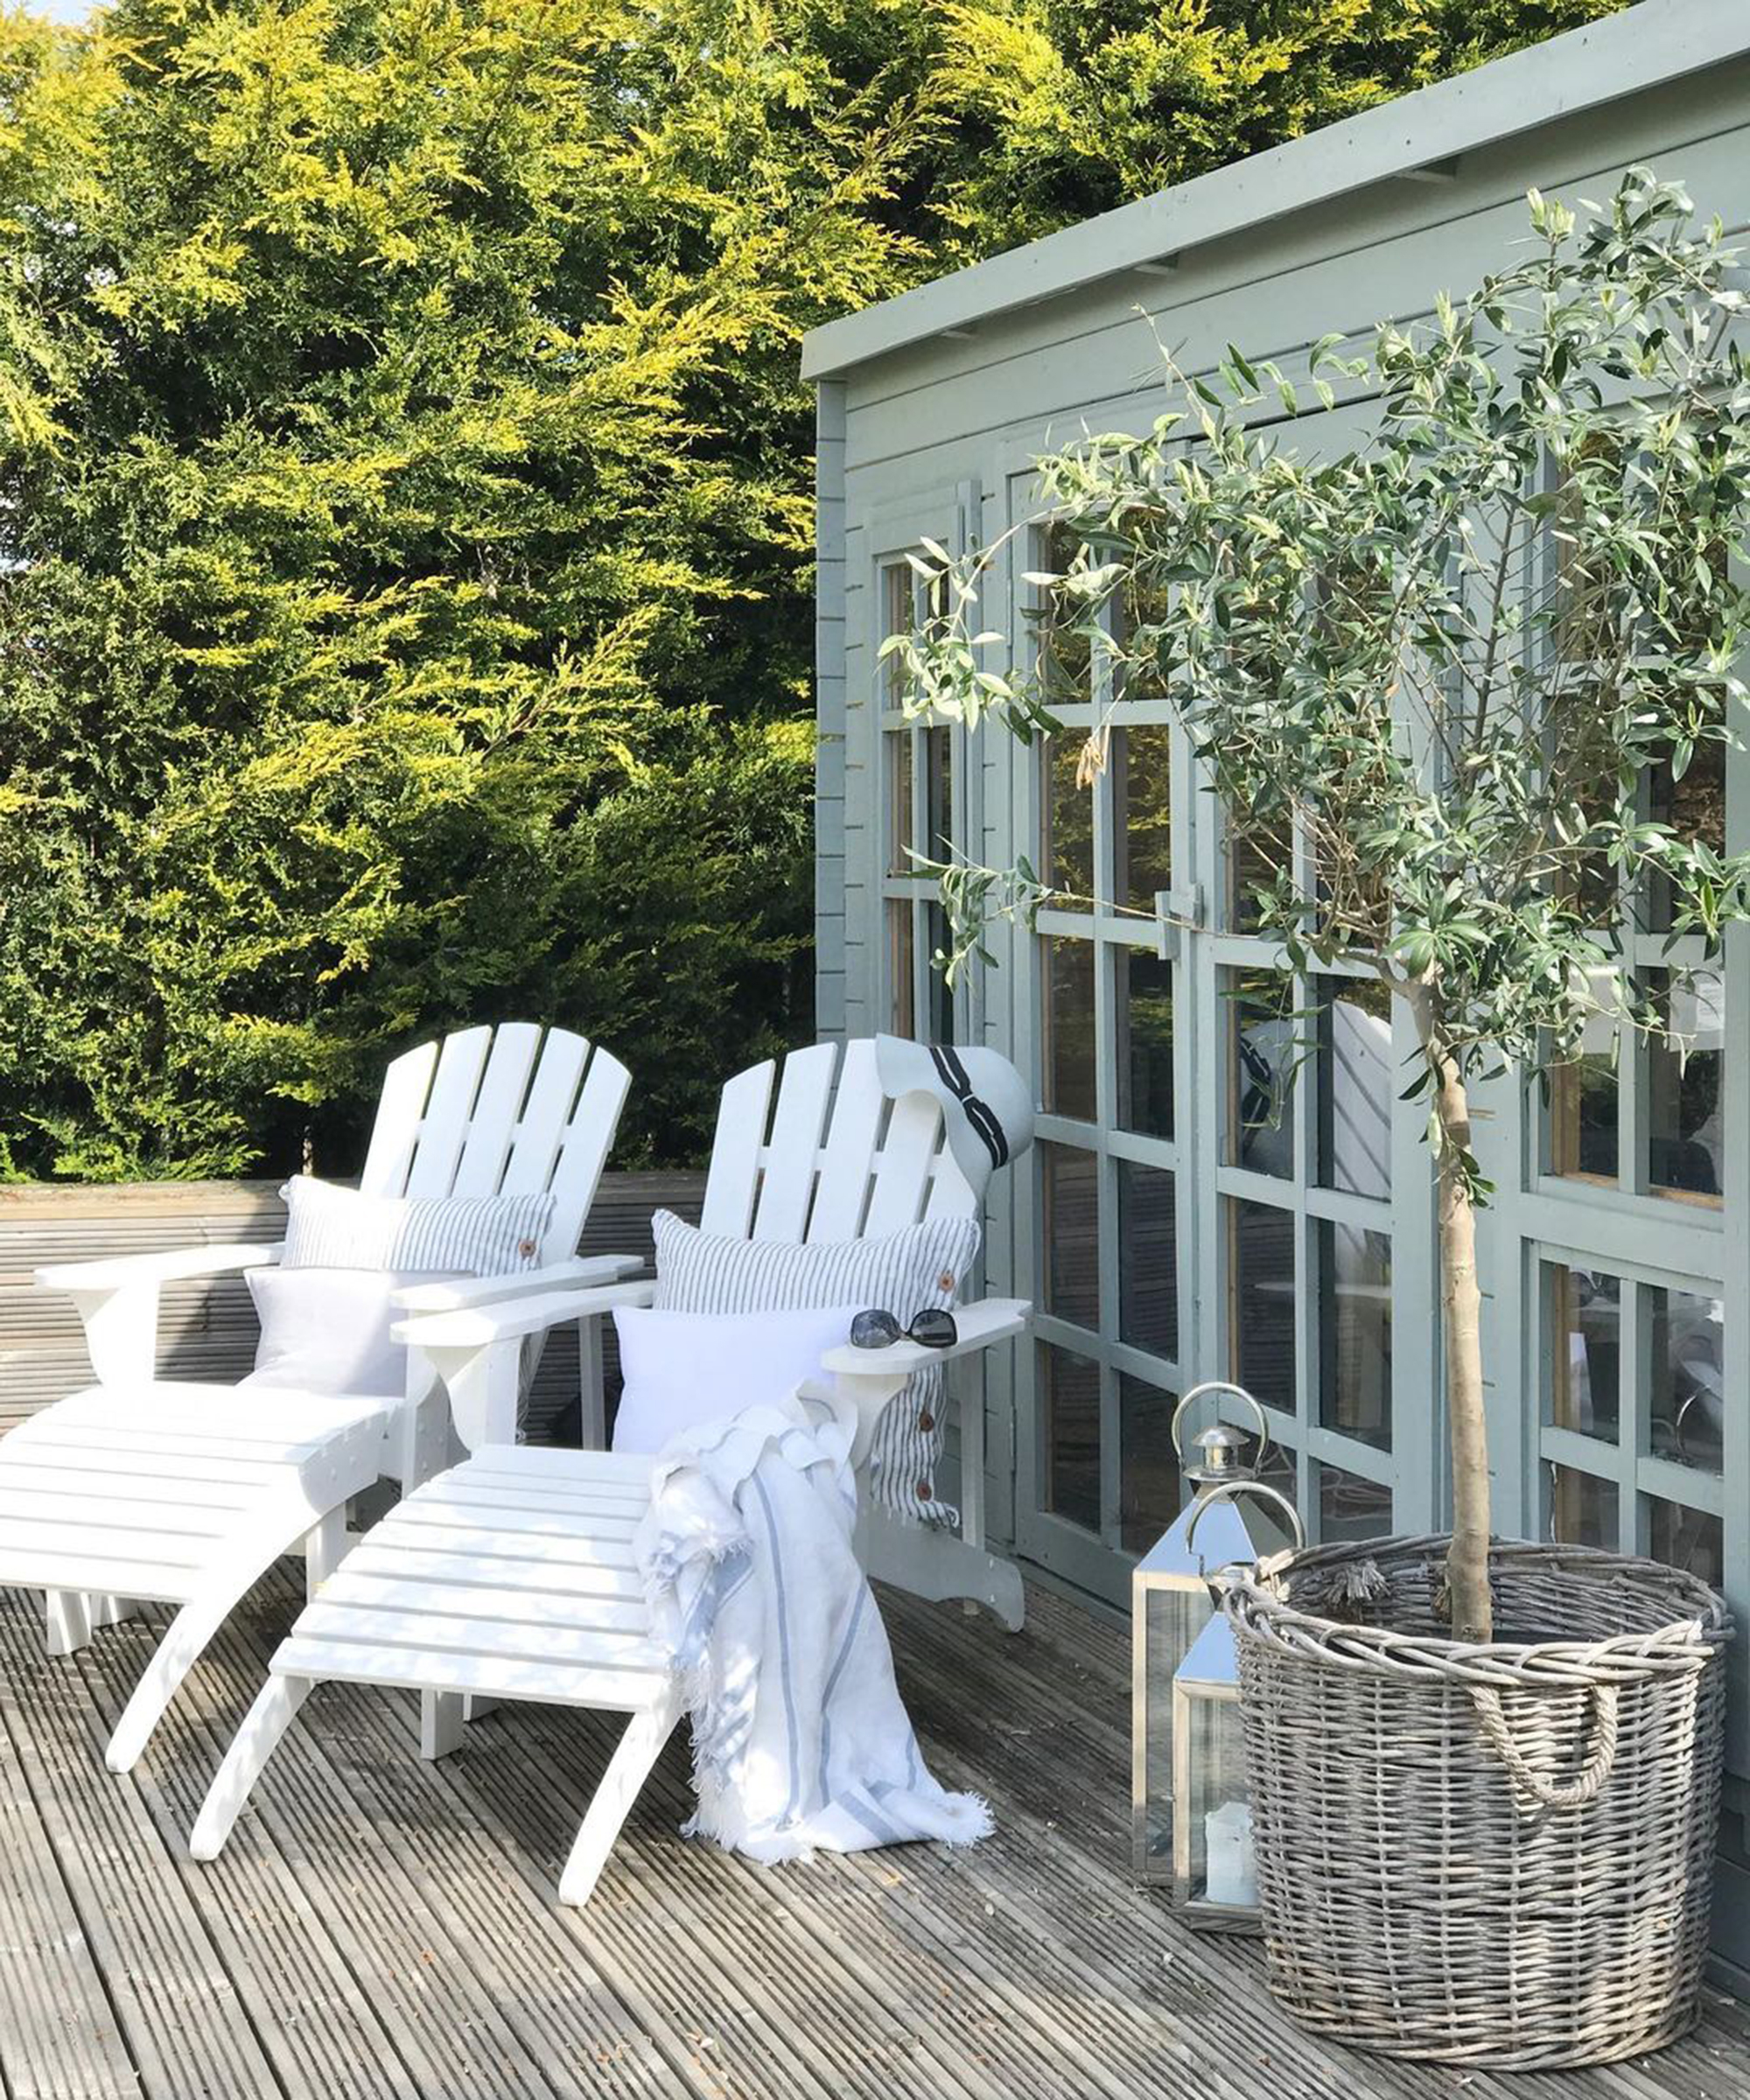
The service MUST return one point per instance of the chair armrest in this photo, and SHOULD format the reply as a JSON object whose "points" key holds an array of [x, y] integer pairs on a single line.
{"points": [[463, 1293], [479, 1327], [990, 1319], [123, 1269]]}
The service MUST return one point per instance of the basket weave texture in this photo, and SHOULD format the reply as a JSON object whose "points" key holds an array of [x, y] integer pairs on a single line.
{"points": [[1495, 1855]]}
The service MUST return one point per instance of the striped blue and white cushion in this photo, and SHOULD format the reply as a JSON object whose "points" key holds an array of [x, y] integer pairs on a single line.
{"points": [[901, 1273], [327, 1227]]}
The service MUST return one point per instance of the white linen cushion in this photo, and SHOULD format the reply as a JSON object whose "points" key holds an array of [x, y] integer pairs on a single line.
{"points": [[684, 1369], [901, 1272], [327, 1330], [330, 1227]]}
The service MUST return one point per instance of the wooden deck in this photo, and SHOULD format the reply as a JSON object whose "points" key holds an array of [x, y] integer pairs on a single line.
{"points": [[382, 1930]]}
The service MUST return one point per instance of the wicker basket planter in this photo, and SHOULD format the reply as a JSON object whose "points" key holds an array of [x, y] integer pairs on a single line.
{"points": [[1499, 1855]]}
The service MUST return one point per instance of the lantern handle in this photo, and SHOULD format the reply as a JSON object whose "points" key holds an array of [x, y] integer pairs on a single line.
{"points": [[1226, 1490], [1220, 1385]]}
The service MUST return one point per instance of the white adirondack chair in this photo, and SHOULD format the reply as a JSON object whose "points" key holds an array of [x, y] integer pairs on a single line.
{"points": [[185, 1494], [513, 1575]]}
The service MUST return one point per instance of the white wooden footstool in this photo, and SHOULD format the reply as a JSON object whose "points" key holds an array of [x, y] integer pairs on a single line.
{"points": [[182, 1494]]}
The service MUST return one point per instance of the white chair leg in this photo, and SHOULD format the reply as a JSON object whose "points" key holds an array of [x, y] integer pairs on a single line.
{"points": [[67, 1613], [191, 1628], [476, 1706], [628, 1768], [324, 1547], [111, 1611], [441, 1719], [264, 1724]]}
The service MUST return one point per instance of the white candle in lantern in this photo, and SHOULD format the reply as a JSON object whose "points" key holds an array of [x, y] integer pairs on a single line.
{"points": [[1227, 1835]]}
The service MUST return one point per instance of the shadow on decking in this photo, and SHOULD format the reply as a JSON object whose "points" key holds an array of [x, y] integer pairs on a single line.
{"points": [[381, 1927]]}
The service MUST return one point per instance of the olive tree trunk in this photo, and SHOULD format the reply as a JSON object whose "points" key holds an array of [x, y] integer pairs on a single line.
{"points": [[1461, 1330]]}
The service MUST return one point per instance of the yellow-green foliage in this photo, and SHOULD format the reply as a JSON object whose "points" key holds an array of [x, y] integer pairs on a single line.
{"points": [[404, 501]]}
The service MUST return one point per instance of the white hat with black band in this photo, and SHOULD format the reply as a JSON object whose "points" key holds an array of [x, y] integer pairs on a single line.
{"points": [[987, 1111]]}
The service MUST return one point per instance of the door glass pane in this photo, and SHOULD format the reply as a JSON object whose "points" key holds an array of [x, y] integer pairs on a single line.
{"points": [[1586, 1368], [1355, 1332], [1253, 861], [1144, 990], [1065, 652], [1581, 1110], [1071, 1233], [1355, 1090], [1148, 1272], [1070, 1385], [1261, 1053], [1688, 1385], [898, 587], [1142, 813], [1695, 808], [1686, 1125], [1261, 1309], [1580, 1509], [900, 956], [1069, 1029], [1066, 850], [1151, 1493], [939, 792], [940, 992], [898, 744], [1350, 1507], [1686, 1539]]}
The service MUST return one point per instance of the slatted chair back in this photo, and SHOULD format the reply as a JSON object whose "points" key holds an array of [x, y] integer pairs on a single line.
{"points": [[826, 1163], [513, 1110]]}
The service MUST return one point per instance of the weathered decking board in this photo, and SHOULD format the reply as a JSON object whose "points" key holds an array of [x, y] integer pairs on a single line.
{"points": [[383, 1929]]}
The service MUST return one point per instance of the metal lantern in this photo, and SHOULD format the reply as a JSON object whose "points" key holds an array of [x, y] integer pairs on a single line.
{"points": [[1172, 1603], [1214, 1885]]}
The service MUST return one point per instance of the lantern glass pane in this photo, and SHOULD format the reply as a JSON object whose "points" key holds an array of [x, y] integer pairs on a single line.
{"points": [[1215, 1849], [1172, 1620]]}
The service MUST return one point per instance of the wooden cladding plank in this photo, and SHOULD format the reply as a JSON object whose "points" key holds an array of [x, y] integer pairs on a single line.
{"points": [[207, 1326]]}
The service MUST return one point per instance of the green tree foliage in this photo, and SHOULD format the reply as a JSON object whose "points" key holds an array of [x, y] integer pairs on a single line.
{"points": [[404, 501]]}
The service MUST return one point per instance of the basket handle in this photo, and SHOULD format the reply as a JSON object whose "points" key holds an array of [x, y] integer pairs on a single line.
{"points": [[1544, 1793]]}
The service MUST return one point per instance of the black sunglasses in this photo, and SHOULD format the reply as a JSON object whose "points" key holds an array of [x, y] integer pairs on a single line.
{"points": [[932, 1329]]}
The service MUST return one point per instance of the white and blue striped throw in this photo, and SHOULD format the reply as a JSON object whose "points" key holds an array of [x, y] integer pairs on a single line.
{"points": [[328, 1227], [800, 1740], [901, 1273]]}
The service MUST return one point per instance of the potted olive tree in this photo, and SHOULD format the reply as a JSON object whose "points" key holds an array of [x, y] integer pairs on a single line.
{"points": [[1444, 663]]}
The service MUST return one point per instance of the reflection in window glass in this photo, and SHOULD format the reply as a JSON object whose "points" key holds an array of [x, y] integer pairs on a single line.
{"points": [[1685, 1128], [1686, 1538], [900, 836], [1150, 1496], [1586, 1367], [900, 956], [1069, 1029], [1070, 1386], [1261, 1267], [1071, 1233], [1066, 850], [1148, 1271], [1142, 813], [1689, 1386], [1581, 1509], [1355, 1332], [1355, 1091], [1144, 986], [1261, 1050], [1350, 1507], [900, 586]]}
